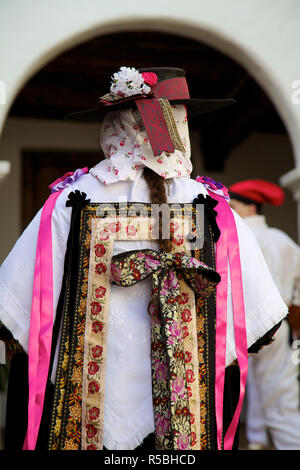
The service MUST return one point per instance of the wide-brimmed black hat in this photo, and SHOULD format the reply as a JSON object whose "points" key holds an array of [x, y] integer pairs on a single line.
{"points": [[152, 91], [171, 84]]}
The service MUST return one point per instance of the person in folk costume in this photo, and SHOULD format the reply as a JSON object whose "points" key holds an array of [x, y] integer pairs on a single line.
{"points": [[273, 374], [130, 364]]}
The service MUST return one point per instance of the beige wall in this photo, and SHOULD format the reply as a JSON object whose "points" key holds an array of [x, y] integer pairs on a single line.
{"points": [[260, 156]]}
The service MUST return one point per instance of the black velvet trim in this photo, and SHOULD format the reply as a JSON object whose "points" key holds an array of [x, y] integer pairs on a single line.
{"points": [[210, 213], [209, 259], [76, 200]]}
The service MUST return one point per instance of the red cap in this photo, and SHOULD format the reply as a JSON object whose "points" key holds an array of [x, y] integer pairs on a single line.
{"points": [[259, 191]]}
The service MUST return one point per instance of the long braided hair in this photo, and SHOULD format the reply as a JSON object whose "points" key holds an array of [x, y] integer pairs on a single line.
{"points": [[158, 195]]}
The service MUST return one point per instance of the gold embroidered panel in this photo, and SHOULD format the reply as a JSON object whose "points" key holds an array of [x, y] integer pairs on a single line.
{"points": [[78, 407]]}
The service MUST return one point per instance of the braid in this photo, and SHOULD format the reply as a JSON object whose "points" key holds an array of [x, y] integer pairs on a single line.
{"points": [[158, 195]]}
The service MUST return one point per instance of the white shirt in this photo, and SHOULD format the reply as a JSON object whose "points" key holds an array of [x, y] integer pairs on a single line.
{"points": [[273, 387], [282, 255], [129, 415]]}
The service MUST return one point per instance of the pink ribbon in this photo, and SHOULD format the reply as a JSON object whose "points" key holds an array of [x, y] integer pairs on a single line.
{"points": [[227, 248], [41, 324], [41, 321]]}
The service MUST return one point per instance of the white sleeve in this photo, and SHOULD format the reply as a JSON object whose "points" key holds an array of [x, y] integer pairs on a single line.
{"points": [[16, 283], [17, 272], [264, 306]]}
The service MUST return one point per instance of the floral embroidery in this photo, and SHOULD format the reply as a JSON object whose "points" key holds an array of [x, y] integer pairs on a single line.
{"points": [[95, 308], [96, 327], [183, 416], [100, 250], [150, 78], [169, 403], [65, 431], [131, 230]]}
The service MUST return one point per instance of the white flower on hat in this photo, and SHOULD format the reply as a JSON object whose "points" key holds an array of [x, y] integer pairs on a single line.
{"points": [[127, 82]]}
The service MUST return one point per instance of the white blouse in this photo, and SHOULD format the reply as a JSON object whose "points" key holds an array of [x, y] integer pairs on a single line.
{"points": [[129, 414]]}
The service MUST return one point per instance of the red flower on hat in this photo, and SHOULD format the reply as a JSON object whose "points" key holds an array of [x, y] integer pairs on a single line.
{"points": [[150, 78]]}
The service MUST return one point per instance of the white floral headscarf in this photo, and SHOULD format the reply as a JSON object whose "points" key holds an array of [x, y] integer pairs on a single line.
{"points": [[126, 147]]}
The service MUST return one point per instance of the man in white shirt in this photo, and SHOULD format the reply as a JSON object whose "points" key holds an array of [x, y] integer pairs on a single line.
{"points": [[272, 385]]}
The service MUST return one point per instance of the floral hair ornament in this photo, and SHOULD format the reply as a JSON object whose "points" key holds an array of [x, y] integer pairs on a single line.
{"points": [[153, 91]]}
